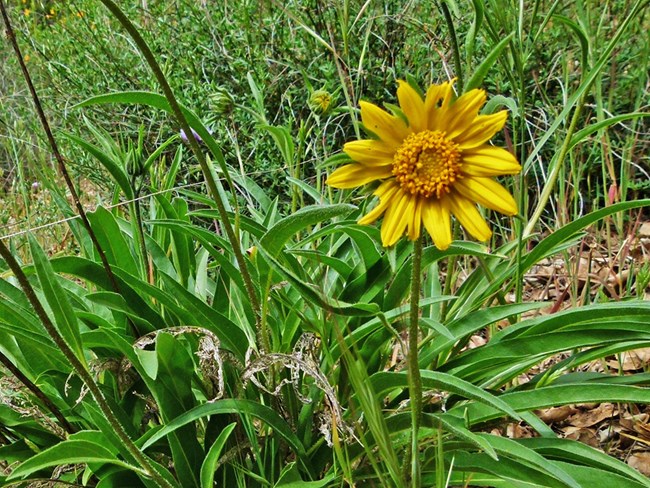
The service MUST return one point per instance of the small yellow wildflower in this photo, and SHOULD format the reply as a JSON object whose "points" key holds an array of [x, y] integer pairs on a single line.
{"points": [[27, 12], [435, 164], [27, 58]]}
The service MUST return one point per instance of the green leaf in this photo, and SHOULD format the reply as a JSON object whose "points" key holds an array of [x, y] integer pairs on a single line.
{"points": [[94, 273], [173, 394], [603, 124], [516, 450], [579, 453], [276, 237], [314, 295], [514, 473], [283, 141], [210, 462], [580, 34], [116, 170], [553, 396], [160, 102], [65, 319], [290, 478], [385, 381], [240, 407], [112, 240], [482, 71], [72, 451]]}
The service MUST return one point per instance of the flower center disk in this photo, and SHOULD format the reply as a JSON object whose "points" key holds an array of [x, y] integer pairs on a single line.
{"points": [[427, 163]]}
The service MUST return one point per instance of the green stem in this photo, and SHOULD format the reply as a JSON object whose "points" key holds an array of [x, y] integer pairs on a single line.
{"points": [[454, 44], [205, 167], [63, 169], [81, 370], [414, 379], [555, 173]]}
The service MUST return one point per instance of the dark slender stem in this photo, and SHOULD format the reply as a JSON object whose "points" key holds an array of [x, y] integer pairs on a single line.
{"points": [[414, 378], [80, 369], [49, 404], [55, 149], [205, 167], [454, 44]]}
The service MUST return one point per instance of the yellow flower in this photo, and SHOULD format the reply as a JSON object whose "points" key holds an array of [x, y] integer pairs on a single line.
{"points": [[27, 12], [320, 101], [436, 163]]}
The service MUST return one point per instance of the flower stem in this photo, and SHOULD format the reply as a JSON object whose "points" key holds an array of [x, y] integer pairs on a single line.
{"points": [[208, 172], [414, 379], [63, 169], [454, 44]]}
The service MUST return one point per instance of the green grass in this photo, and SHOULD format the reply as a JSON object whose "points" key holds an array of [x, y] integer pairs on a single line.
{"points": [[240, 328]]}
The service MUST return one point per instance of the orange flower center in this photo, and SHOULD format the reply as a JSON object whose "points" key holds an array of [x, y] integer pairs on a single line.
{"points": [[427, 163]]}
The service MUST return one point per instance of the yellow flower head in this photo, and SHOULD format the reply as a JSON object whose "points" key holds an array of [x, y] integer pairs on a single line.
{"points": [[437, 164], [320, 101]]}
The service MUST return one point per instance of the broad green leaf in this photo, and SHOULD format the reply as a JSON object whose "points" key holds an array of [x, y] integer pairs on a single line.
{"points": [[516, 474], [94, 273], [553, 396], [516, 450], [72, 451], [315, 295], [385, 381], [240, 407], [290, 478], [283, 141], [578, 453], [195, 312], [466, 325], [276, 237], [112, 240], [173, 394], [210, 462], [65, 319], [588, 476]]}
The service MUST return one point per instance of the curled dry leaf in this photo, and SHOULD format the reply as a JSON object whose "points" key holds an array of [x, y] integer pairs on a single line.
{"points": [[641, 462], [556, 414]]}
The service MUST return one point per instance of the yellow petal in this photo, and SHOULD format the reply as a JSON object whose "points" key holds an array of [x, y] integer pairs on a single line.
{"points": [[436, 102], [392, 228], [488, 193], [463, 111], [415, 221], [488, 160], [482, 129], [412, 105], [353, 175], [469, 217], [369, 152], [385, 192], [390, 129], [435, 216]]}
